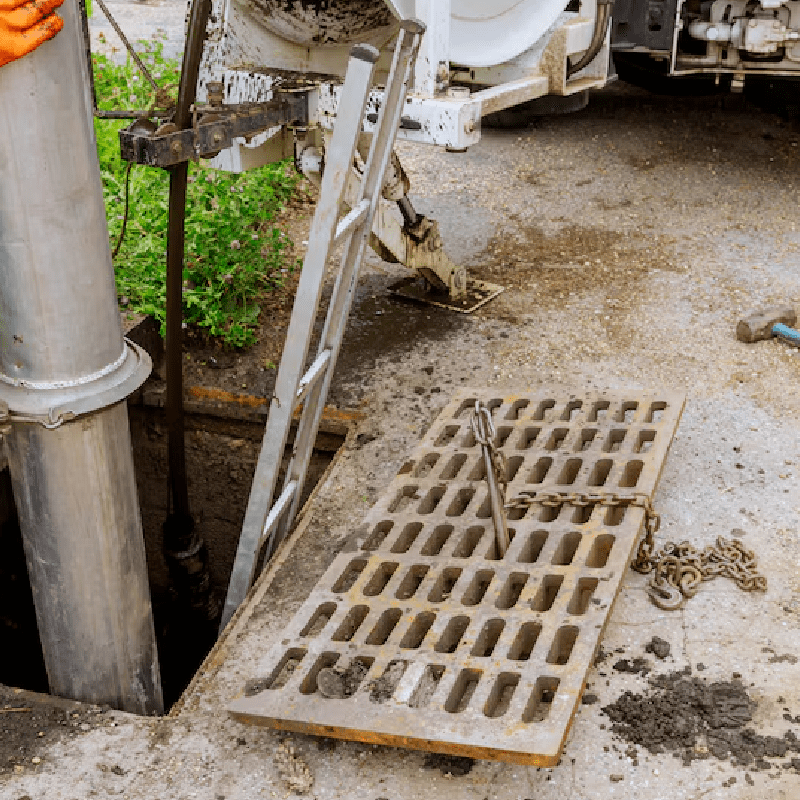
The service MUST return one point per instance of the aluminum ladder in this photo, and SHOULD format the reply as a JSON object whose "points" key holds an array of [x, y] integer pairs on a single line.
{"points": [[265, 522]]}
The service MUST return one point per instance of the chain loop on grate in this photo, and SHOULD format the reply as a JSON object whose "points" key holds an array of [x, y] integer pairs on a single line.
{"points": [[677, 570], [652, 520], [496, 471], [485, 435]]}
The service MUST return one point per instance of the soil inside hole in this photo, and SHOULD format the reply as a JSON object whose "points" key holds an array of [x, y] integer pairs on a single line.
{"points": [[222, 447]]}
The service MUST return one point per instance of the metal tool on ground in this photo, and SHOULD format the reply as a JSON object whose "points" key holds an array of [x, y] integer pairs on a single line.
{"points": [[494, 463], [266, 523], [420, 635], [769, 323], [677, 570]]}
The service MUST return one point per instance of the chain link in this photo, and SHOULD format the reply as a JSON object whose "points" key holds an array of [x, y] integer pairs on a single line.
{"points": [[683, 567], [677, 570], [496, 471], [485, 435], [652, 520]]}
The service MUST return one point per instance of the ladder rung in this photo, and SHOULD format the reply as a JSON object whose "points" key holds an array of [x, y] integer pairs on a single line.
{"points": [[350, 221], [277, 511], [316, 370]]}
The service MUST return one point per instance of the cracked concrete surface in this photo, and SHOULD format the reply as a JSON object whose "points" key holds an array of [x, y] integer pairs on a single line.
{"points": [[632, 235]]}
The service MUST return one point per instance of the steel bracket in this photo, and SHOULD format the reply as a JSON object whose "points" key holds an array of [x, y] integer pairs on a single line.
{"points": [[215, 129]]}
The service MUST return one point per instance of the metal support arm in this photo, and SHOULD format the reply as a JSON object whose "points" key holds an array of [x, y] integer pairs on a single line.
{"points": [[399, 234], [143, 142]]}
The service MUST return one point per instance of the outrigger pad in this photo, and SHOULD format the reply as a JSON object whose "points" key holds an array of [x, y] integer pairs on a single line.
{"points": [[478, 293]]}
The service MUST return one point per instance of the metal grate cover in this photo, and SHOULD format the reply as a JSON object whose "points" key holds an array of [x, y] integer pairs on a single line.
{"points": [[435, 644]]}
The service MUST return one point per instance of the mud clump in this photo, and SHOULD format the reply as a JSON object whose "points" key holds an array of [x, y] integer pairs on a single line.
{"points": [[383, 688], [658, 647], [635, 666], [338, 684], [457, 766], [693, 719]]}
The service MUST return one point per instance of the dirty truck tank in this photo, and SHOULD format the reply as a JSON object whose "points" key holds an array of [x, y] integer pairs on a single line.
{"points": [[481, 33]]}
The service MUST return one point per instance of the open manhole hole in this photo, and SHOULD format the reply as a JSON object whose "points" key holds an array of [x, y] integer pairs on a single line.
{"points": [[223, 438]]}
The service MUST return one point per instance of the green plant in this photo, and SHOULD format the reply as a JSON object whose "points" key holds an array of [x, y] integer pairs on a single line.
{"points": [[234, 252]]}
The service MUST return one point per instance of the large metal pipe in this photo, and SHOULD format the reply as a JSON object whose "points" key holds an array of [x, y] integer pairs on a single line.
{"points": [[64, 372]]}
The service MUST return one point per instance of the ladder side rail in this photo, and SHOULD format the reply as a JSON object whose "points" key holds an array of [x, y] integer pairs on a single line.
{"points": [[400, 77], [355, 93]]}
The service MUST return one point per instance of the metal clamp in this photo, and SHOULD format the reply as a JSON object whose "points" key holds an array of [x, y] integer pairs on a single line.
{"points": [[52, 405], [216, 128]]}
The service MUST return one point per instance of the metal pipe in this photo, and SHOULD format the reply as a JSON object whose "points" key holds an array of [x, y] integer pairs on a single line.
{"points": [[63, 362], [178, 177], [184, 548], [77, 504]]}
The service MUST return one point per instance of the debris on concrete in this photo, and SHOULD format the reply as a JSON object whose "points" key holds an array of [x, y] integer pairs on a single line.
{"points": [[589, 699], [659, 647], [455, 766], [30, 723], [635, 666], [293, 770], [694, 719]]}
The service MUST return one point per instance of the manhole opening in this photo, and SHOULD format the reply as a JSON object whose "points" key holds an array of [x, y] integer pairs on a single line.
{"points": [[221, 451]]}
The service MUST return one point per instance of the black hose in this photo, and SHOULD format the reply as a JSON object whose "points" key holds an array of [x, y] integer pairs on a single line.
{"points": [[184, 549], [605, 9], [179, 494]]}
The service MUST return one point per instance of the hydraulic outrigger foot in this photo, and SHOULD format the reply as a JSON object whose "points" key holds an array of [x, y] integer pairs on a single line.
{"points": [[476, 294], [438, 280], [400, 235]]}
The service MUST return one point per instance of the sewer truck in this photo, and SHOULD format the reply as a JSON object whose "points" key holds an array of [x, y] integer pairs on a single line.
{"points": [[479, 62]]}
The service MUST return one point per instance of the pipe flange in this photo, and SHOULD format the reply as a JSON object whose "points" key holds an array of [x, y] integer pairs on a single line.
{"points": [[53, 404]]}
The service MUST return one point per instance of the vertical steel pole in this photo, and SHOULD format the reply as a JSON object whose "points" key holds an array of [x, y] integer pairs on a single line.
{"points": [[62, 355]]}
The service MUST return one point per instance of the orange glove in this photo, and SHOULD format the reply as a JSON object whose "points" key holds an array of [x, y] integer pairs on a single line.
{"points": [[25, 24]]}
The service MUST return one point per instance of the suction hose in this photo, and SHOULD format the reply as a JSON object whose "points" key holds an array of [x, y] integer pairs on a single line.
{"points": [[185, 550], [605, 9]]}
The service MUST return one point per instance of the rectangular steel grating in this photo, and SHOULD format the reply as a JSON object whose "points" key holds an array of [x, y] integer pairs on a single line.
{"points": [[437, 644]]}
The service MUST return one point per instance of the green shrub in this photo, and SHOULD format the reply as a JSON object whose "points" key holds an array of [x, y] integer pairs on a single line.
{"points": [[234, 252]]}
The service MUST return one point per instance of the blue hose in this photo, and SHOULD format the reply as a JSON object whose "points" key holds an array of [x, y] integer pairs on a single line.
{"points": [[787, 334]]}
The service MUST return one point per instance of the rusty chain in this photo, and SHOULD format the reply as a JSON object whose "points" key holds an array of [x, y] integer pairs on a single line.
{"points": [[677, 570], [652, 520], [496, 471], [485, 435]]}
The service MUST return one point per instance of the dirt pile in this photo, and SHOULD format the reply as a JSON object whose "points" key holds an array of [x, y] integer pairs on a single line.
{"points": [[30, 723], [694, 719]]}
